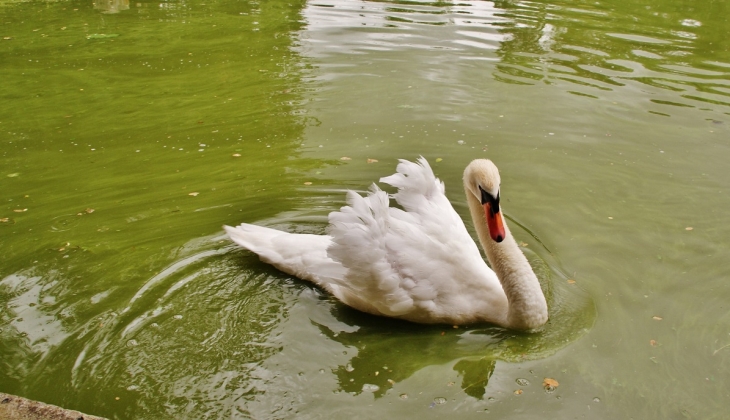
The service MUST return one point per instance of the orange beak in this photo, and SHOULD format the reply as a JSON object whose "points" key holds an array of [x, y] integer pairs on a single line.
{"points": [[494, 223]]}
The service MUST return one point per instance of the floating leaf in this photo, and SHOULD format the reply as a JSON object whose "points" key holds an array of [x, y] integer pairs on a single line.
{"points": [[438, 160], [345, 158], [13, 175], [372, 161], [4, 220], [20, 210], [518, 392], [194, 193], [652, 343], [308, 183], [550, 383], [89, 211], [236, 155], [656, 318], [571, 281], [687, 228]]}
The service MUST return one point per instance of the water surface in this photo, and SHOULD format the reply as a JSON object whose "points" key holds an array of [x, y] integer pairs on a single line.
{"points": [[131, 131]]}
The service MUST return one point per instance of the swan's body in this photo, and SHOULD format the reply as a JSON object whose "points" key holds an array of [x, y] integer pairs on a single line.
{"points": [[420, 264]]}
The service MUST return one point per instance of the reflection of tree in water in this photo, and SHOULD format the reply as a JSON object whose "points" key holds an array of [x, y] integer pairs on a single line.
{"points": [[391, 351], [605, 46]]}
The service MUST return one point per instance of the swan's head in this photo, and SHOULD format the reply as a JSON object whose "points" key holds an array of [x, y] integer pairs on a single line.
{"points": [[481, 178]]}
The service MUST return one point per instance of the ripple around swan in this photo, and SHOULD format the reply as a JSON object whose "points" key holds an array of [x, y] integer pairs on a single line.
{"points": [[161, 344], [211, 328]]}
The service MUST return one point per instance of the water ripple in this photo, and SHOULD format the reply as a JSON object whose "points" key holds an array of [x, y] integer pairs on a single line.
{"points": [[585, 49]]}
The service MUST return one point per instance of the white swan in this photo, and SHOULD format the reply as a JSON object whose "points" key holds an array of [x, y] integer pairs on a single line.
{"points": [[420, 264]]}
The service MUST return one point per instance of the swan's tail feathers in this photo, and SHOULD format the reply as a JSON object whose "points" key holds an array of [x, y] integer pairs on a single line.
{"points": [[417, 185], [301, 255], [257, 239]]}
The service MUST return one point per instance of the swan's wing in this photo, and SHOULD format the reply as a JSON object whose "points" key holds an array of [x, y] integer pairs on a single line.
{"points": [[421, 193], [420, 264]]}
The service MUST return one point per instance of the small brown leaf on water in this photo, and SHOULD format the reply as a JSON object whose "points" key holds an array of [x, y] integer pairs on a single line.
{"points": [[571, 281], [688, 228], [4, 220], [20, 210], [550, 382], [345, 158], [307, 183], [236, 155], [652, 343], [372, 161], [656, 318], [518, 392], [89, 211], [193, 194]]}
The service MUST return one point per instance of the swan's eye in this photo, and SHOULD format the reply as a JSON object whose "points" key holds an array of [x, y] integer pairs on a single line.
{"points": [[489, 198]]}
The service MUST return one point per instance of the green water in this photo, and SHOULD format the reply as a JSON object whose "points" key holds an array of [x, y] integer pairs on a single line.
{"points": [[130, 132]]}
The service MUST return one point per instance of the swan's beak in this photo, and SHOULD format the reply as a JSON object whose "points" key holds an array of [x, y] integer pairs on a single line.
{"points": [[494, 223], [493, 216]]}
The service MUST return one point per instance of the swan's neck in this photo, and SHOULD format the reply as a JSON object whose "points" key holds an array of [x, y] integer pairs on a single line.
{"points": [[527, 306]]}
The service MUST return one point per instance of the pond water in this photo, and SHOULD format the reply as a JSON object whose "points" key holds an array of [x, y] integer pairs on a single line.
{"points": [[130, 132]]}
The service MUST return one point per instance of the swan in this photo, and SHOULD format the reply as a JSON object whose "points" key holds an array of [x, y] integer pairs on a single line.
{"points": [[418, 264]]}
